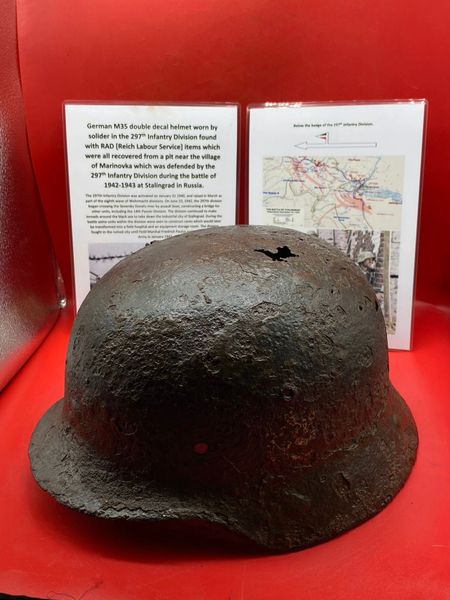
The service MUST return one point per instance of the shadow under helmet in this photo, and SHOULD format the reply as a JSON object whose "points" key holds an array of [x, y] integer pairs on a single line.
{"points": [[233, 374]]}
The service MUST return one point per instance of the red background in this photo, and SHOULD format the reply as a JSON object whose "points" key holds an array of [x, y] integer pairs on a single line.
{"points": [[249, 52]]}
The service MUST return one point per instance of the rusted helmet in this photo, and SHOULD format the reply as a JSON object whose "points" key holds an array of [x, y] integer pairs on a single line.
{"points": [[237, 375]]}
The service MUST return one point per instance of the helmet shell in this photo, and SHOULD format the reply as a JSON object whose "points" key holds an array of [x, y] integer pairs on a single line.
{"points": [[235, 374]]}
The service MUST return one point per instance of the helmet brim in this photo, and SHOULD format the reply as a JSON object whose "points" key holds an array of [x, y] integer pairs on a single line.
{"points": [[319, 503]]}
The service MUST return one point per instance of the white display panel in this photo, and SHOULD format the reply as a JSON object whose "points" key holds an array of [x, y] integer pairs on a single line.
{"points": [[140, 173], [351, 174]]}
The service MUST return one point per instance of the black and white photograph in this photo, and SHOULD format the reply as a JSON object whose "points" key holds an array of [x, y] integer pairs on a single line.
{"points": [[103, 256], [376, 253]]}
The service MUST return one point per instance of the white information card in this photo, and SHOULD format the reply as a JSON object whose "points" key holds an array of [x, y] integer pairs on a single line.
{"points": [[141, 173], [350, 174]]}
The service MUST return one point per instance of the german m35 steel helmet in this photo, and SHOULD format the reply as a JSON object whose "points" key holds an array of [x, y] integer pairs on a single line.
{"points": [[237, 375]]}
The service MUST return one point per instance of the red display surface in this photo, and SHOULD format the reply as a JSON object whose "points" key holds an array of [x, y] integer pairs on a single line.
{"points": [[196, 51], [50, 551]]}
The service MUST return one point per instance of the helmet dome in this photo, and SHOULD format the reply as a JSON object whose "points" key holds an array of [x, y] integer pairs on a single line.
{"points": [[233, 374]]}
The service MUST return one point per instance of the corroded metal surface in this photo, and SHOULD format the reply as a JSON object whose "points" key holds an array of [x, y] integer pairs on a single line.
{"points": [[233, 374]]}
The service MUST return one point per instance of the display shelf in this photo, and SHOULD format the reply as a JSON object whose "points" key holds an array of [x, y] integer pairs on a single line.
{"points": [[49, 551]]}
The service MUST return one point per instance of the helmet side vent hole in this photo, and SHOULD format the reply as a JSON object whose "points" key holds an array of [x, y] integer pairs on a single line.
{"points": [[282, 253], [200, 448], [289, 393], [377, 306], [360, 306]]}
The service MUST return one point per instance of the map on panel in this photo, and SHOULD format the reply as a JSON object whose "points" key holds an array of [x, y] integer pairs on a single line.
{"points": [[334, 192]]}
